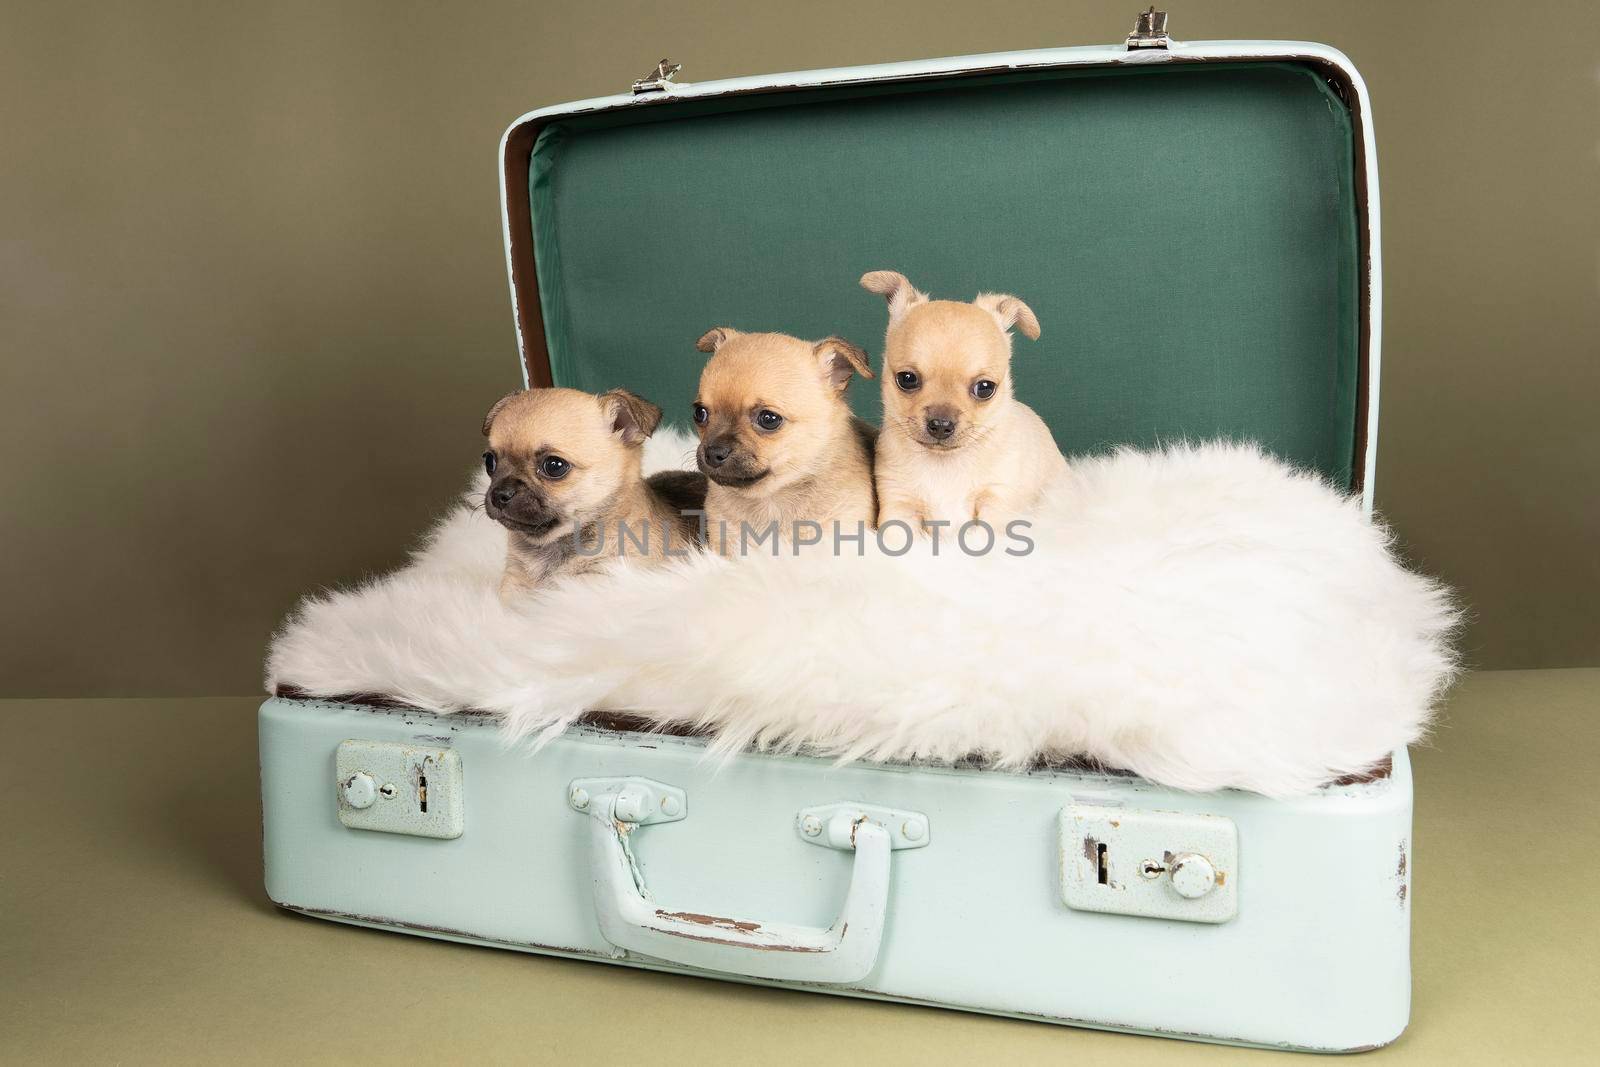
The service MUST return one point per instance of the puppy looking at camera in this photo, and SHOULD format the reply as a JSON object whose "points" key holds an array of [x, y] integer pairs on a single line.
{"points": [[565, 482], [956, 446], [778, 442]]}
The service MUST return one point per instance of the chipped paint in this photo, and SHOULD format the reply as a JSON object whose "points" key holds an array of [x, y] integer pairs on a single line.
{"points": [[628, 919], [709, 920]]}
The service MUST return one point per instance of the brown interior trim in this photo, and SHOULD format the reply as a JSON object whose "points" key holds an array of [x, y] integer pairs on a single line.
{"points": [[1376, 773], [524, 271]]}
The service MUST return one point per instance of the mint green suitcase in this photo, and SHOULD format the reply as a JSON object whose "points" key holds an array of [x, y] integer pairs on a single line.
{"points": [[1196, 225]]}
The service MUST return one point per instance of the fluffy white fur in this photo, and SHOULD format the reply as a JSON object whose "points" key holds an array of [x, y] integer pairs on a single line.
{"points": [[1202, 616]]}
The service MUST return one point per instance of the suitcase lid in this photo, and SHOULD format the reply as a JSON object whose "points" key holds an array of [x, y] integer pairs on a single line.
{"points": [[1195, 224]]}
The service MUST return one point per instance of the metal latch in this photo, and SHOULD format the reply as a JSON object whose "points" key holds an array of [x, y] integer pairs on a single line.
{"points": [[1151, 864], [397, 788], [660, 79], [1149, 31]]}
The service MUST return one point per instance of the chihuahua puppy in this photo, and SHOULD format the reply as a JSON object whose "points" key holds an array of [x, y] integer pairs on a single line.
{"points": [[778, 441], [565, 482], [957, 446]]}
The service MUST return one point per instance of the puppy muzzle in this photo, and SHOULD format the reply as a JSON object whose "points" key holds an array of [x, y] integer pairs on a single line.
{"points": [[518, 506], [726, 465], [939, 428]]}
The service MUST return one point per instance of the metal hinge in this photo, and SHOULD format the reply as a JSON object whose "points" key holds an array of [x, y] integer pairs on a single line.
{"points": [[833, 825], [658, 80], [638, 801], [1149, 30]]}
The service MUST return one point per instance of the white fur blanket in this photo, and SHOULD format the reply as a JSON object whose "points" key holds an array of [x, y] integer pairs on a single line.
{"points": [[1202, 616]]}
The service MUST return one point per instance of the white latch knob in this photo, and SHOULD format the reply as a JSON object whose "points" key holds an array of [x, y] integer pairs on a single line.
{"points": [[359, 790], [1193, 876]]}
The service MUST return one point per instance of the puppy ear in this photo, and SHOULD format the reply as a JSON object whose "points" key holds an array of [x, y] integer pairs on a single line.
{"points": [[1008, 311], [634, 417], [715, 338], [893, 285], [838, 359], [488, 420]]}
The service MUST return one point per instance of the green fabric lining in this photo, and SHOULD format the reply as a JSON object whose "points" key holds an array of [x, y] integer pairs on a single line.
{"points": [[1187, 235]]}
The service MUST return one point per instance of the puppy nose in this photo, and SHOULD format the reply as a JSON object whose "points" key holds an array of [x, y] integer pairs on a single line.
{"points": [[502, 493], [717, 455], [939, 429]]}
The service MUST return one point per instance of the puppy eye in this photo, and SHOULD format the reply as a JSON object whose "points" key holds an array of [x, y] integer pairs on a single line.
{"points": [[488, 463], [983, 389], [908, 381], [554, 467], [701, 414], [768, 420]]}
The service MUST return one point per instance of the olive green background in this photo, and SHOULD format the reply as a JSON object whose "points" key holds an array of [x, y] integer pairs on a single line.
{"points": [[252, 297]]}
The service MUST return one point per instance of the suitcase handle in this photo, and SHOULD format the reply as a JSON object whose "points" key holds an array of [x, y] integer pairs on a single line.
{"points": [[843, 952]]}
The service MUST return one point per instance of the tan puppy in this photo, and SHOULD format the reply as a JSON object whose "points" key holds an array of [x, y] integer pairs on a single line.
{"points": [[778, 442], [957, 446], [566, 484]]}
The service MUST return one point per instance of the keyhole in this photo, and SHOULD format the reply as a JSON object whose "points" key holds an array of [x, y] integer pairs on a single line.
{"points": [[1105, 869]]}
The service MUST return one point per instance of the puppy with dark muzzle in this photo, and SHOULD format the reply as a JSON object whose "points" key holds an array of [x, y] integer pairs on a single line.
{"points": [[566, 483], [957, 446], [778, 441]]}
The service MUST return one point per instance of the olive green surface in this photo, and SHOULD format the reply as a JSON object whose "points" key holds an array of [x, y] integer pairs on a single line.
{"points": [[1186, 236], [134, 928]]}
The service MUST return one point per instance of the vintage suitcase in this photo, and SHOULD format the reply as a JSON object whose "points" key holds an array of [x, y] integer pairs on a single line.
{"points": [[1197, 227]]}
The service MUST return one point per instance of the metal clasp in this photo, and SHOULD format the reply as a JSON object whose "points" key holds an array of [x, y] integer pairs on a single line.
{"points": [[636, 801], [658, 80], [1149, 30], [834, 825]]}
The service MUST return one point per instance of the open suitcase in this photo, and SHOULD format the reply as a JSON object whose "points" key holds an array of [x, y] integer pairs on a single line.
{"points": [[1197, 227]]}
